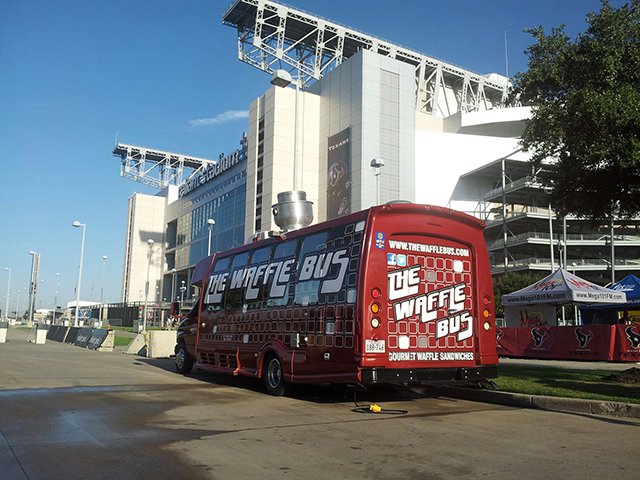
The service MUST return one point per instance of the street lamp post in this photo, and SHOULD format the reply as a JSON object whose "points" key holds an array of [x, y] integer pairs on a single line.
{"points": [[377, 165], [77, 224], [6, 307], [150, 242], [613, 255], [173, 284], [553, 267], [182, 290], [210, 222], [35, 260], [55, 299], [104, 261]]}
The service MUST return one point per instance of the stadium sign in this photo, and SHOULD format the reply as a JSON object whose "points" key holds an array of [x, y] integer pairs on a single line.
{"points": [[212, 170]]}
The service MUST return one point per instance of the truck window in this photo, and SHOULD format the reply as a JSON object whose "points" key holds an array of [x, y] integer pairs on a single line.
{"points": [[284, 251], [214, 295], [255, 292], [234, 291], [221, 265], [307, 292]]}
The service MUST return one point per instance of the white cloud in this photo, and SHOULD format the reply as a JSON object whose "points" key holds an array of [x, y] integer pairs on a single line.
{"points": [[226, 117]]}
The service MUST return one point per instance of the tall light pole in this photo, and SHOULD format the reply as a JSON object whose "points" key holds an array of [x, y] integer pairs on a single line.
{"points": [[84, 227], [6, 307], [55, 299], [548, 191], [182, 290], [150, 242], [613, 255], [210, 222], [104, 261], [35, 262], [377, 165], [173, 284]]}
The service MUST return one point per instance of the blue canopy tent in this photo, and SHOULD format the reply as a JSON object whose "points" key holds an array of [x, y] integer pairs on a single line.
{"points": [[609, 313]]}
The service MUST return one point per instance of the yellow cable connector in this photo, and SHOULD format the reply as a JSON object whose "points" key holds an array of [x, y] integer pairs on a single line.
{"points": [[375, 408]]}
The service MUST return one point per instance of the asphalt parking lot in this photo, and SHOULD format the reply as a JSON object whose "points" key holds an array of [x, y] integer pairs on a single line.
{"points": [[68, 412]]}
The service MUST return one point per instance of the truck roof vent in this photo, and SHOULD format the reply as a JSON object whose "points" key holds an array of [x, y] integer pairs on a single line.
{"points": [[293, 210]]}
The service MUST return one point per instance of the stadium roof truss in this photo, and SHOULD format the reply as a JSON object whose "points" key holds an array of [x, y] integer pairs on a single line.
{"points": [[274, 36], [154, 167]]}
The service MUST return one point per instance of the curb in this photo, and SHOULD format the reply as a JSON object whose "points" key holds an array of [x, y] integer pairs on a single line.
{"points": [[556, 404]]}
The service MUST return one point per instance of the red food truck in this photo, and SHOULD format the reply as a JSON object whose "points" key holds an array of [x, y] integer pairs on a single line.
{"points": [[396, 294]]}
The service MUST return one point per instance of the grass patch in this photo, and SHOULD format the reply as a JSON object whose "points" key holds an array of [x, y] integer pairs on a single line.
{"points": [[121, 341], [130, 329], [559, 382]]}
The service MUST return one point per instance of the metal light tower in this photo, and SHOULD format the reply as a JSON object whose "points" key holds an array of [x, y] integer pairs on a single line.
{"points": [[55, 298], [35, 262], [104, 261], [84, 227], [173, 284], [6, 307]]}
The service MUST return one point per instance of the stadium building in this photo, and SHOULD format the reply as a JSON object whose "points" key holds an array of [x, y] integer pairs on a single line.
{"points": [[353, 121]]}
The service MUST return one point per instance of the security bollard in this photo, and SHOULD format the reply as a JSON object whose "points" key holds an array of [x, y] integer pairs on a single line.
{"points": [[4, 326], [41, 333]]}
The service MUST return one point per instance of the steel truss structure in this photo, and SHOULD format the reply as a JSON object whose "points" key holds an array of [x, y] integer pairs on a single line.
{"points": [[154, 167], [274, 36]]}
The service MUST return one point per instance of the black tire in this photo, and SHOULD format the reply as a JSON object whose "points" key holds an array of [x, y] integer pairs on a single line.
{"points": [[184, 362], [272, 376]]}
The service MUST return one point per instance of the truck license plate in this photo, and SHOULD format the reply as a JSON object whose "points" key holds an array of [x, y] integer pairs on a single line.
{"points": [[374, 346]]}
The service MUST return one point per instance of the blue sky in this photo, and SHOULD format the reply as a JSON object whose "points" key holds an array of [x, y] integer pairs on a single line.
{"points": [[165, 74]]}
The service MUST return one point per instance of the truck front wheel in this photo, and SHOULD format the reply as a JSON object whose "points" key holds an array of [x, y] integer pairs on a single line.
{"points": [[184, 362]]}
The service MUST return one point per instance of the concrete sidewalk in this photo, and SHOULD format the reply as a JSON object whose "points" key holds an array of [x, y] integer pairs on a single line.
{"points": [[59, 365]]}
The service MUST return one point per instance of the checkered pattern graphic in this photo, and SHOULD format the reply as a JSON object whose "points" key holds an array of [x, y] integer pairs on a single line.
{"points": [[323, 319], [435, 274], [281, 323]]}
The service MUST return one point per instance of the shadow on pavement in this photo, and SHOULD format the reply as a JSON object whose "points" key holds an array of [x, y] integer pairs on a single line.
{"points": [[316, 393]]}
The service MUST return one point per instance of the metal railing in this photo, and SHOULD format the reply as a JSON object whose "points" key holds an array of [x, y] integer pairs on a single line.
{"points": [[580, 264], [527, 181], [573, 238]]}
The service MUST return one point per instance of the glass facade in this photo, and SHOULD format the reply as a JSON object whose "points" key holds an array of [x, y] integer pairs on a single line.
{"points": [[224, 203], [222, 199]]}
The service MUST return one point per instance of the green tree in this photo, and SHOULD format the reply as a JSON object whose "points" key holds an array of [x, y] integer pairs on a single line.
{"points": [[585, 99], [509, 283]]}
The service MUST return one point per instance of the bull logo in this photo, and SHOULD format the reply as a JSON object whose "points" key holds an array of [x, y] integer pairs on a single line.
{"points": [[583, 338], [539, 336], [633, 337]]}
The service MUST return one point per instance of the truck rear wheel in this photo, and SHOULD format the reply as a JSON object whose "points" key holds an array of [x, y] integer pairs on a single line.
{"points": [[184, 362], [273, 377]]}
